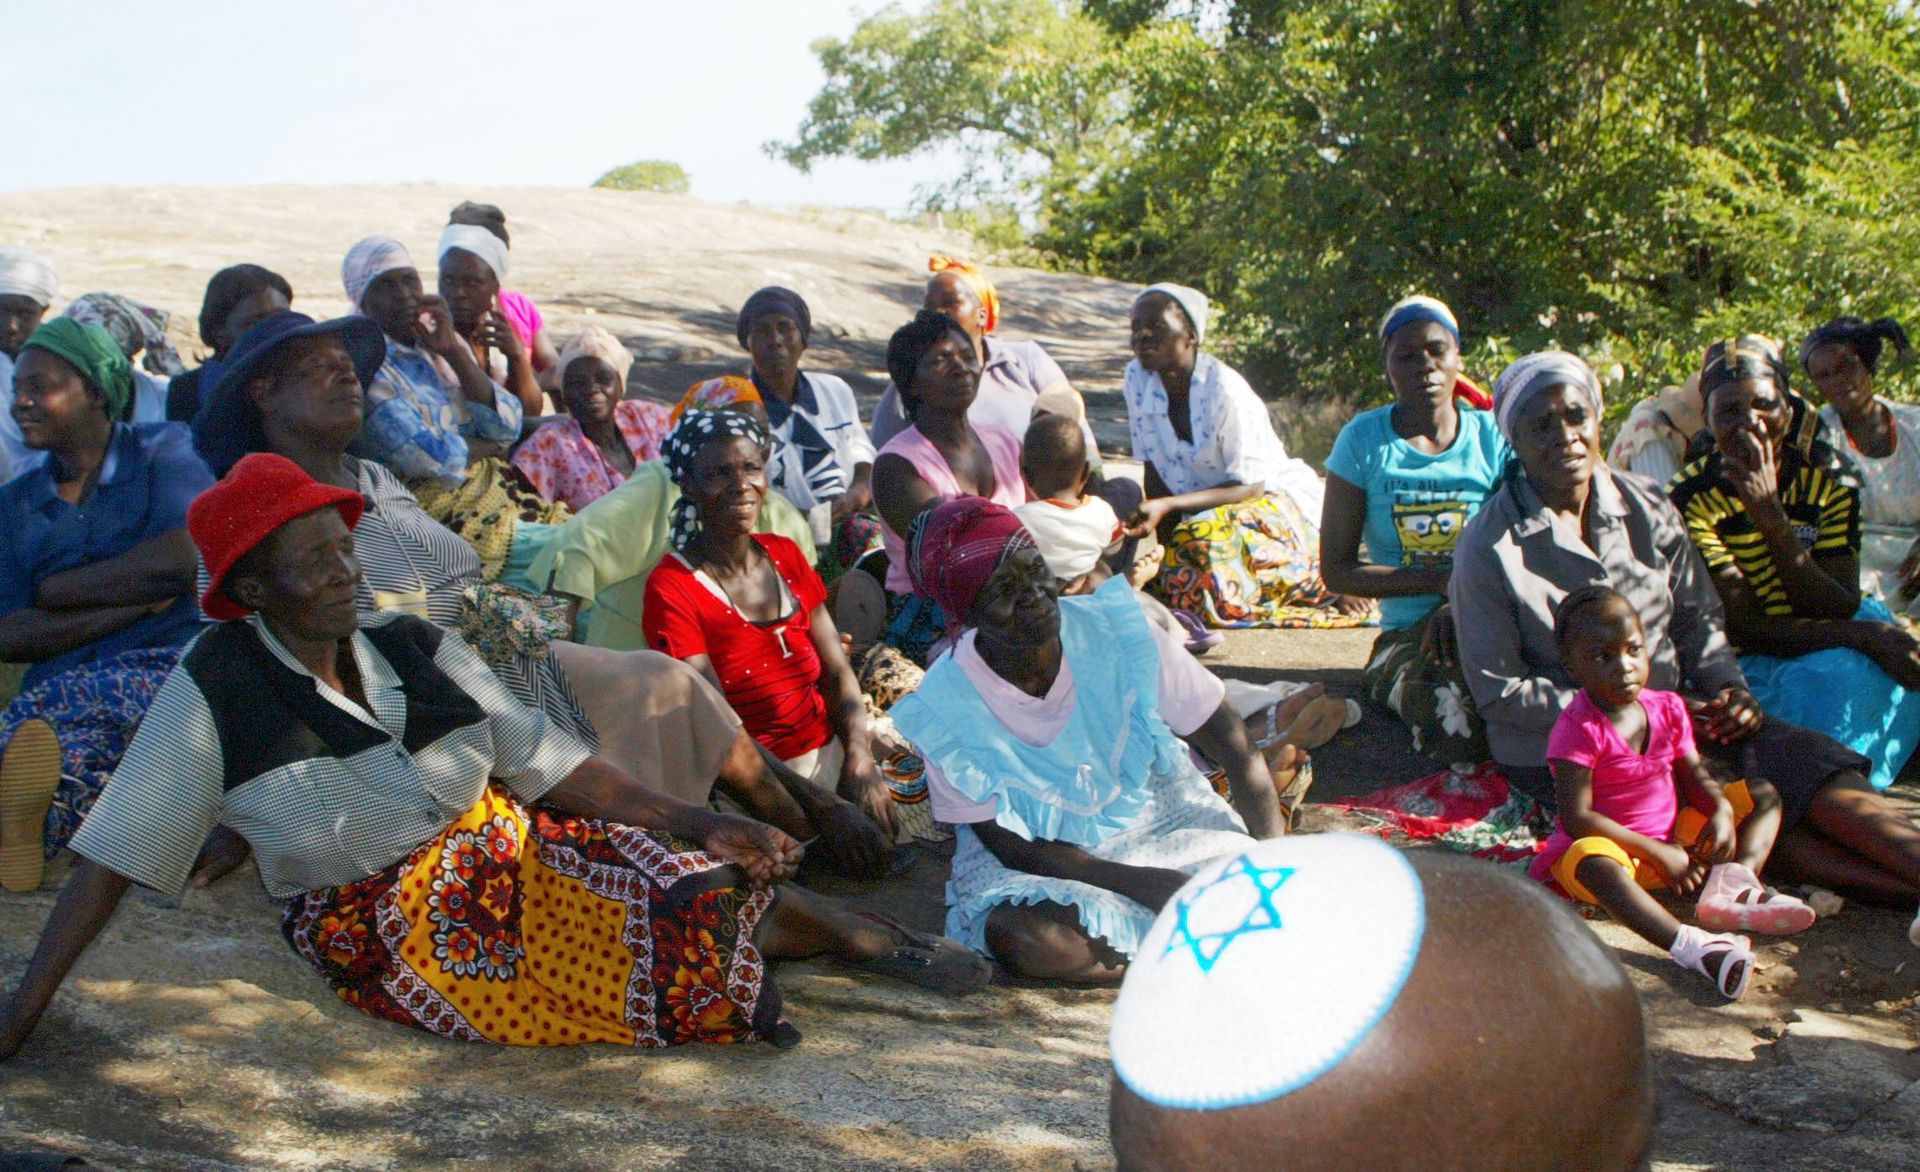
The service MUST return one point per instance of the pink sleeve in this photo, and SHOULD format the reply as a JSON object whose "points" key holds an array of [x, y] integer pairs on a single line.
{"points": [[953, 807], [522, 315], [535, 457], [1189, 693], [1574, 738]]}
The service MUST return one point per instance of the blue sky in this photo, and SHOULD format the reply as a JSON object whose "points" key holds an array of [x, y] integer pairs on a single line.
{"points": [[548, 92]]}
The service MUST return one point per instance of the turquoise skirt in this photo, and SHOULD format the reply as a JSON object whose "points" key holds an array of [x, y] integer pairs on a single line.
{"points": [[1844, 694]]}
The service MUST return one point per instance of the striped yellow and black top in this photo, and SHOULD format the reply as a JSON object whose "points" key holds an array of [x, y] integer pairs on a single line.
{"points": [[1821, 504]]}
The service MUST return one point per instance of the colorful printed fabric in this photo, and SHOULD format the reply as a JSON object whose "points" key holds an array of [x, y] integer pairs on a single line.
{"points": [[528, 930], [1252, 564], [418, 419], [976, 280], [954, 547], [716, 394], [564, 465], [1431, 698], [485, 509], [94, 710], [1475, 813], [139, 329]]}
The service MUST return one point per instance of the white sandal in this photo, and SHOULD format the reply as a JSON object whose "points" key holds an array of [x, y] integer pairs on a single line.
{"points": [[1723, 958]]}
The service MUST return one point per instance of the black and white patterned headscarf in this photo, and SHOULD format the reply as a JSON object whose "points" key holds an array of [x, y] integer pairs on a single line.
{"points": [[694, 431]]}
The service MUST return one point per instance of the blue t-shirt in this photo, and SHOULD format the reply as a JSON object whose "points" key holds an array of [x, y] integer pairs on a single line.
{"points": [[1417, 504], [150, 475]]}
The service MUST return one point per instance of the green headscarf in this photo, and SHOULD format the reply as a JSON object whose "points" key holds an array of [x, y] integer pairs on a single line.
{"points": [[93, 352]]}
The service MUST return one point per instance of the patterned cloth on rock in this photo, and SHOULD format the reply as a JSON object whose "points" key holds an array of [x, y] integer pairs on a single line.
{"points": [[1251, 564], [1473, 813], [655, 938], [1431, 698], [487, 507], [564, 466], [94, 710]]}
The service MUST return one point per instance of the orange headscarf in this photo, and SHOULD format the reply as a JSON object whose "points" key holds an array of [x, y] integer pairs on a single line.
{"points": [[714, 394], [977, 280]]}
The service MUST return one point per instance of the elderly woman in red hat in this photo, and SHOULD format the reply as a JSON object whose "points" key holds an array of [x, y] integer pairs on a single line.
{"points": [[445, 856], [1052, 734]]}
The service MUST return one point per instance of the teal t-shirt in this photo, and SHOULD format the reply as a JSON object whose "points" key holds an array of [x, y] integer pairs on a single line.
{"points": [[1417, 504]]}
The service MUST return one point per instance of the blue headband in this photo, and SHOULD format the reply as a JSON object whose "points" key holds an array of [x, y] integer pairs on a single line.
{"points": [[1408, 310]]}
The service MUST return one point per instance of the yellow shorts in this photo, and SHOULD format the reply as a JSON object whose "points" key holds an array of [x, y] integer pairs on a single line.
{"points": [[1686, 828]]}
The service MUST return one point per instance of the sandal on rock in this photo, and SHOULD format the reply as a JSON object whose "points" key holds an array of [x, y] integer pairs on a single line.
{"points": [[1293, 795], [1734, 900], [1200, 640], [929, 961], [1317, 722], [1724, 959], [29, 777]]}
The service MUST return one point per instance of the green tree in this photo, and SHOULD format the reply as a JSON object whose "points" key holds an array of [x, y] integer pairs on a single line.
{"points": [[1628, 179], [646, 175], [1026, 90]]}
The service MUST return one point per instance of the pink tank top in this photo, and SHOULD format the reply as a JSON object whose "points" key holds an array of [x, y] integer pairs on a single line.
{"points": [[1009, 488]]}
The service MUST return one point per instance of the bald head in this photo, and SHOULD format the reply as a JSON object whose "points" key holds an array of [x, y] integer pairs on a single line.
{"points": [[1515, 1042]]}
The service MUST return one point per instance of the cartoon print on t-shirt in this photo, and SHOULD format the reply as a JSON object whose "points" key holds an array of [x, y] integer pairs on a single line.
{"points": [[1429, 529]]}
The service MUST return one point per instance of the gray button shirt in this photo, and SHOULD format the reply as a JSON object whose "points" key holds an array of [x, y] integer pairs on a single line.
{"points": [[1516, 560]]}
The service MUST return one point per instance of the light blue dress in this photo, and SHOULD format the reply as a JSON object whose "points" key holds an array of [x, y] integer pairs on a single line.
{"points": [[1116, 782]]}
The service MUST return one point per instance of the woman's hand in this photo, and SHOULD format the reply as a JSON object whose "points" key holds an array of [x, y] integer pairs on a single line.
{"points": [[221, 856], [1753, 472], [1731, 717], [1154, 886], [1441, 641], [495, 333], [861, 784], [1148, 516], [1896, 651], [767, 855], [436, 326]]}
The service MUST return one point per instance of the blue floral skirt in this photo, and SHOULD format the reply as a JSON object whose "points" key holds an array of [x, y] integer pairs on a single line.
{"points": [[94, 710]]}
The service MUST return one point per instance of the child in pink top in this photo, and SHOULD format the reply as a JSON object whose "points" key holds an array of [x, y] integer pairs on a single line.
{"points": [[1622, 758]]}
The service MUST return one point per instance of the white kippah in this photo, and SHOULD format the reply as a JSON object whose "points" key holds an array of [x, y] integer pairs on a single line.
{"points": [[1266, 970]]}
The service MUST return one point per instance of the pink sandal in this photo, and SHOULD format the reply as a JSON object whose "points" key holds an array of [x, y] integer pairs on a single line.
{"points": [[1734, 900], [1725, 960]]}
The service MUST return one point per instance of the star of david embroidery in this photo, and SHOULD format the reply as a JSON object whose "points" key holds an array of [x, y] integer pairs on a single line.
{"points": [[1261, 914]]}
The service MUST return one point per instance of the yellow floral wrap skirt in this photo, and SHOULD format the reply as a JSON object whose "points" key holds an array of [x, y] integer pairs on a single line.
{"points": [[531, 930]]}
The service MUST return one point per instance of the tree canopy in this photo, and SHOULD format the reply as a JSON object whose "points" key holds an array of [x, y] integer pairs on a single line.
{"points": [[1629, 179]]}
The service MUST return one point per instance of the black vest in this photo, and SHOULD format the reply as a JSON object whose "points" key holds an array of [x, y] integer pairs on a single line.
{"points": [[270, 716]]}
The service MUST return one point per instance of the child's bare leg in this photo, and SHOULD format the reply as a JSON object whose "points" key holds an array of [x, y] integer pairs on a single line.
{"points": [[1045, 941], [1753, 841], [1627, 901]]}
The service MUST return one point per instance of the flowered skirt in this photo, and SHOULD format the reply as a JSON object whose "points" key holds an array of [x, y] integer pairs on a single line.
{"points": [[1252, 564], [94, 710], [1430, 697], [530, 930]]}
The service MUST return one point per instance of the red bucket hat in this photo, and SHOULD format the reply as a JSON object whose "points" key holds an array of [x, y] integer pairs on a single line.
{"points": [[260, 494]]}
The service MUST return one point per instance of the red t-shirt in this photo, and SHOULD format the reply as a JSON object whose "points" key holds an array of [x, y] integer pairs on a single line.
{"points": [[770, 672]]}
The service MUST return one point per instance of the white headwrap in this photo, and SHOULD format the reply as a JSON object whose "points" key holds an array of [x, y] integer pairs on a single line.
{"points": [[367, 260], [1192, 302], [1266, 970], [479, 242], [596, 342], [1538, 372], [25, 273]]}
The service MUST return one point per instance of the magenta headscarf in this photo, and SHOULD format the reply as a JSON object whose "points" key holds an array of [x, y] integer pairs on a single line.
{"points": [[953, 548]]}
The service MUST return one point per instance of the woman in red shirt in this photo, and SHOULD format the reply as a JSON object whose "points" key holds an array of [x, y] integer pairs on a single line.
{"points": [[748, 611]]}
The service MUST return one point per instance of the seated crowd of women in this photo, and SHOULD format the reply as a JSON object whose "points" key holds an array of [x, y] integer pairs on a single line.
{"points": [[535, 654]]}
